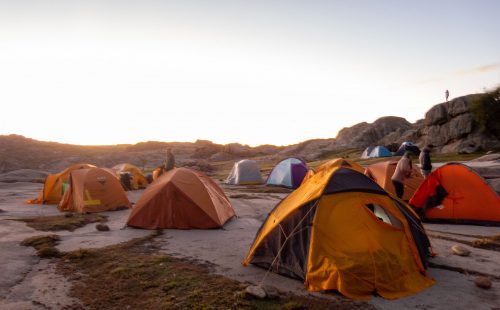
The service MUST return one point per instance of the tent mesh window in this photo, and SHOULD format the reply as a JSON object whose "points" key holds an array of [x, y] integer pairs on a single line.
{"points": [[385, 216]]}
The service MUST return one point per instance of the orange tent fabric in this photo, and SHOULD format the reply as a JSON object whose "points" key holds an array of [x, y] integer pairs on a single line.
{"points": [[53, 187], [157, 173], [341, 231], [93, 190], [333, 163], [382, 172], [181, 198], [454, 192], [138, 179]]}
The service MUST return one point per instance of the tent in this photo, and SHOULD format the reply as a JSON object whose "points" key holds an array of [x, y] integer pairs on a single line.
{"points": [[382, 172], [181, 198], [138, 179], [407, 147], [157, 172], [366, 152], [341, 231], [93, 190], [333, 163], [245, 172], [380, 151], [456, 193], [288, 173], [53, 187]]}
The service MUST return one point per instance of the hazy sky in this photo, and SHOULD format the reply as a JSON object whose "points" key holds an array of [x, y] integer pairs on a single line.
{"points": [[255, 72]]}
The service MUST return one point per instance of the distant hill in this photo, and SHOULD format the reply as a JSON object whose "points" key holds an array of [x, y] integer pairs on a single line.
{"points": [[452, 127]]}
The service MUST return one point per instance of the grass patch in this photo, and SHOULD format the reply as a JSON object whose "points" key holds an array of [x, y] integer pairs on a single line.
{"points": [[266, 189], [45, 245], [243, 196], [135, 276], [63, 222], [492, 242]]}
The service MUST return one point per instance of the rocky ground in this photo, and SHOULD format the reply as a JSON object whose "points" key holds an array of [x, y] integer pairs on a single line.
{"points": [[29, 282]]}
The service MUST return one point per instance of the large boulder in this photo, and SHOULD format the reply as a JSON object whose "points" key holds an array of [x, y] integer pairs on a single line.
{"points": [[364, 134]]}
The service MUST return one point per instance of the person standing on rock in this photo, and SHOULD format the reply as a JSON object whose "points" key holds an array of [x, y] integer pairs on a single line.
{"points": [[425, 160], [403, 171], [169, 161], [446, 94]]}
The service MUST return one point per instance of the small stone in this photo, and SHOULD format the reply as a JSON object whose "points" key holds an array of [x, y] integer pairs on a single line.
{"points": [[69, 214], [102, 227], [1, 211], [256, 291], [483, 282], [271, 291], [460, 250]]}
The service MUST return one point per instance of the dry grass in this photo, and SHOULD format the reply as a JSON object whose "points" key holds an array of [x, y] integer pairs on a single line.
{"points": [[134, 275], [45, 245], [492, 242], [63, 222], [243, 196]]}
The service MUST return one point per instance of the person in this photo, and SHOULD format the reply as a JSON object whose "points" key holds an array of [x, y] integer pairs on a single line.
{"points": [[403, 171], [169, 161], [425, 160], [446, 94]]}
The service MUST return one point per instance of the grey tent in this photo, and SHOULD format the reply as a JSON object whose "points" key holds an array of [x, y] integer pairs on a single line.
{"points": [[245, 172]]}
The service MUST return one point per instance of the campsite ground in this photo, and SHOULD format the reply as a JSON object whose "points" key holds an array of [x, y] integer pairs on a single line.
{"points": [[107, 266]]}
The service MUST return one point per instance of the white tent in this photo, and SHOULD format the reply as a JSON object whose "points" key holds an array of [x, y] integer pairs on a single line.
{"points": [[245, 172]]}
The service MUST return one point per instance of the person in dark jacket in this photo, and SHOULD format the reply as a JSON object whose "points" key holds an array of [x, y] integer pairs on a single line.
{"points": [[425, 161]]}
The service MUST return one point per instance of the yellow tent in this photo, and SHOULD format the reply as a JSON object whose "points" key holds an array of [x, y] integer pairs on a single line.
{"points": [[138, 179], [341, 231], [53, 188], [337, 162]]}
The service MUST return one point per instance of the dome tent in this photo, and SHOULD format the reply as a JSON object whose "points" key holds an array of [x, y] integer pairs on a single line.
{"points": [[181, 198], [342, 231], [93, 190], [407, 147], [138, 179], [382, 172], [456, 193], [288, 173], [377, 151], [53, 187], [330, 164], [245, 171]]}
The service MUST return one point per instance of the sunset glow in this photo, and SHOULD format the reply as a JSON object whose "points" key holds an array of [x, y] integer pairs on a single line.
{"points": [[254, 72]]}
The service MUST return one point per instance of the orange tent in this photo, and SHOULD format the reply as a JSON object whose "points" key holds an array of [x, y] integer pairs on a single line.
{"points": [[341, 231], [455, 193], [138, 179], [333, 163], [93, 190], [53, 188], [181, 198], [157, 173], [382, 172]]}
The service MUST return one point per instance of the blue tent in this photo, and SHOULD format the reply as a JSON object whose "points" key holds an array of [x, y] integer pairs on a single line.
{"points": [[378, 151]]}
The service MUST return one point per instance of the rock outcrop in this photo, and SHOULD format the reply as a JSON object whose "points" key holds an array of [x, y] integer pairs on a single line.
{"points": [[364, 134]]}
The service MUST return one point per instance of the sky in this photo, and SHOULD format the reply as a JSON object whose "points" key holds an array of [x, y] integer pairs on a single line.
{"points": [[254, 72]]}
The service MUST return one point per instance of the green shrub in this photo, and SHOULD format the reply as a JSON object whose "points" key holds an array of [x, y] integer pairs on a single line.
{"points": [[486, 112]]}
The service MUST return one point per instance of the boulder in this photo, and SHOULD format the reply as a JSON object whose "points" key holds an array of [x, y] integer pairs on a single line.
{"points": [[437, 115], [364, 134], [256, 291], [102, 227], [460, 250], [483, 282]]}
